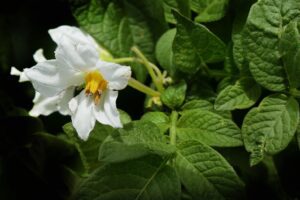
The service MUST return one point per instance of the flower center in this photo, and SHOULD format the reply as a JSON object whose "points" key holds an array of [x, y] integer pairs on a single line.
{"points": [[95, 85]]}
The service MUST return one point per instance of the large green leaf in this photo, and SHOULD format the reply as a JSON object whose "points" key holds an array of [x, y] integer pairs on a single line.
{"points": [[119, 25], [209, 10], [209, 128], [243, 94], [181, 5], [205, 173], [261, 36], [135, 140], [146, 178], [289, 47], [163, 51], [89, 149], [270, 127], [195, 44]]}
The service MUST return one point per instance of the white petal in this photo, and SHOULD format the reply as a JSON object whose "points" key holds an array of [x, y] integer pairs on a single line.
{"points": [[116, 75], [50, 77], [82, 115], [106, 112], [63, 104], [44, 105], [74, 33], [38, 56], [80, 56], [15, 72]]}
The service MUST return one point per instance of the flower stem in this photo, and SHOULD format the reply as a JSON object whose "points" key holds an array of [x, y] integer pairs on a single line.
{"points": [[158, 84], [123, 60], [142, 88], [174, 117]]}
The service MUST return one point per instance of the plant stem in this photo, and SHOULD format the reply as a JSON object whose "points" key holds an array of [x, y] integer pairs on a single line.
{"points": [[174, 117], [123, 60], [147, 64], [142, 88]]}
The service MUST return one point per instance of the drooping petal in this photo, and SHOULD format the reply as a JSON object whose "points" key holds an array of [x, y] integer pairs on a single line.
{"points": [[73, 33], [38, 56], [79, 56], [116, 75], [43, 105], [14, 71], [50, 77], [65, 97], [106, 112], [83, 119]]}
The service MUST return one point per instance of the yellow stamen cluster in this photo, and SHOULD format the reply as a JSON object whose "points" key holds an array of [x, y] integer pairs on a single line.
{"points": [[95, 85]]}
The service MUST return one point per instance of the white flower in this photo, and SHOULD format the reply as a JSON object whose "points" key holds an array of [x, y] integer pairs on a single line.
{"points": [[77, 63], [46, 105]]}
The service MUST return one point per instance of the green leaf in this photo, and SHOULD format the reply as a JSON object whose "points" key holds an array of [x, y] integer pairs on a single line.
{"points": [[181, 5], [204, 105], [141, 179], [124, 116], [289, 47], [135, 140], [261, 36], [160, 119], [205, 173], [243, 94], [209, 10], [88, 150], [190, 51], [163, 51], [119, 25], [209, 128], [174, 95], [270, 127]]}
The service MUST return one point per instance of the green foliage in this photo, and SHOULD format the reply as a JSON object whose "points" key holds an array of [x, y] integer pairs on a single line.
{"points": [[163, 51], [160, 119], [261, 36], [135, 140], [270, 127], [209, 10], [120, 25], [145, 178], [289, 47], [189, 51], [209, 128], [88, 150], [205, 173], [243, 94], [174, 95], [181, 5]]}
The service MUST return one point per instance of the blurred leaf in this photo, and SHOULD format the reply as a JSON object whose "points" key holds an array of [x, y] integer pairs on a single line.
{"points": [[124, 116], [163, 51], [127, 181], [89, 149]]}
